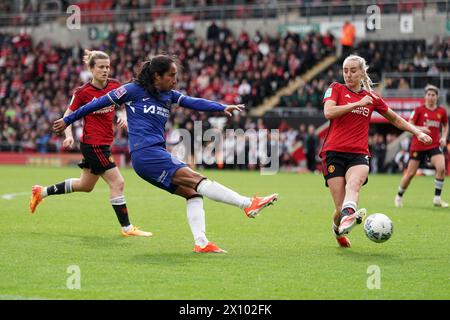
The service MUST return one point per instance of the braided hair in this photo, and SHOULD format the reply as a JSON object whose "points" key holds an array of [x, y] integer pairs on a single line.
{"points": [[145, 77]]}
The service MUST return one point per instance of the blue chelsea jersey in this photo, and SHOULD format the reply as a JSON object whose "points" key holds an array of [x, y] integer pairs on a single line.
{"points": [[146, 114]]}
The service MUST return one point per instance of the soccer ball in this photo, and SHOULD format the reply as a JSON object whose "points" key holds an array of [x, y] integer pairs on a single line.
{"points": [[378, 227]]}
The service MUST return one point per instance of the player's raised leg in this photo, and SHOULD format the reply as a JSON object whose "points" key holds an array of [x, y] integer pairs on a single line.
{"points": [[217, 192]]}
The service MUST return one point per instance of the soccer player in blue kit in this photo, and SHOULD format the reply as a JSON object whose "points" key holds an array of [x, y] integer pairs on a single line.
{"points": [[148, 99]]}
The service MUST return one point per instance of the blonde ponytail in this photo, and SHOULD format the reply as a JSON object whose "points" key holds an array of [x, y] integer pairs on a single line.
{"points": [[367, 82]]}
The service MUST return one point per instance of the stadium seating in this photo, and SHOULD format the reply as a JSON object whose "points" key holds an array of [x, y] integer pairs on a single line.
{"points": [[392, 56], [39, 80]]}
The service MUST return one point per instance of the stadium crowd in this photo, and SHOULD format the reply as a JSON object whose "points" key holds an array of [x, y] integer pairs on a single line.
{"points": [[37, 79]]}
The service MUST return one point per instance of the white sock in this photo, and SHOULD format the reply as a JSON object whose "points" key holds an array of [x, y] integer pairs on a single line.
{"points": [[127, 228], [349, 204], [217, 192], [44, 192], [69, 185], [118, 200], [196, 220]]}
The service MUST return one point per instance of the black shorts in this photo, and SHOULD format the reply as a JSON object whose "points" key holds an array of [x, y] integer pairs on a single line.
{"points": [[336, 164], [97, 158], [426, 154]]}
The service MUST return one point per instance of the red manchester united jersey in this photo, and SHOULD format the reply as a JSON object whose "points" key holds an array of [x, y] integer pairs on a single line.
{"points": [[98, 126], [350, 132], [432, 119]]}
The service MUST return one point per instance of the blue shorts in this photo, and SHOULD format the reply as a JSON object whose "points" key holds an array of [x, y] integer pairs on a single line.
{"points": [[157, 166]]}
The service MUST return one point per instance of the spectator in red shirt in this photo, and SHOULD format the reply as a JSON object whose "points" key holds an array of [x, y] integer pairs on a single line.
{"points": [[328, 42], [345, 152]]}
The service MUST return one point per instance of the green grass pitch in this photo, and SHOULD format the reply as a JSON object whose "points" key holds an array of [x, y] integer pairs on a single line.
{"points": [[286, 253]]}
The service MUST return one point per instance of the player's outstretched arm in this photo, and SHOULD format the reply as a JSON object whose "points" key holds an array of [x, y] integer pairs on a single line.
{"points": [[68, 141], [122, 122], [404, 125], [61, 124], [332, 111], [201, 104], [232, 107]]}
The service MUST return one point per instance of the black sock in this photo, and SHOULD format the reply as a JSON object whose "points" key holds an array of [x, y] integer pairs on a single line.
{"points": [[60, 188], [122, 214], [401, 191], [120, 208], [438, 183]]}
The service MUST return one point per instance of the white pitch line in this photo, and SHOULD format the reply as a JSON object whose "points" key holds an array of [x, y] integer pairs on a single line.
{"points": [[17, 297], [10, 196]]}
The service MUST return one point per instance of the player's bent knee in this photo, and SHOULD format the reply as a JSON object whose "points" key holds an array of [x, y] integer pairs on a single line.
{"points": [[87, 188], [193, 196], [410, 175], [198, 176], [119, 184], [187, 193], [355, 185]]}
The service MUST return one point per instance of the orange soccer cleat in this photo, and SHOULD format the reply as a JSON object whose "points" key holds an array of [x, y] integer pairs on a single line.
{"points": [[211, 247], [36, 197], [343, 241], [259, 203], [134, 231]]}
